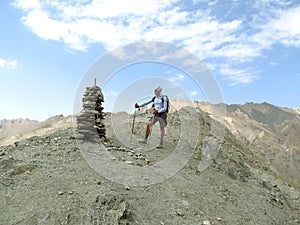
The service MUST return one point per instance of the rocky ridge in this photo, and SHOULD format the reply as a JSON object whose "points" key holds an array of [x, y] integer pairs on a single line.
{"points": [[44, 180], [271, 132]]}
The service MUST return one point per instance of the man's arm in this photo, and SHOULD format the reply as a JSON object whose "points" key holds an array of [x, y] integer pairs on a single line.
{"points": [[146, 103]]}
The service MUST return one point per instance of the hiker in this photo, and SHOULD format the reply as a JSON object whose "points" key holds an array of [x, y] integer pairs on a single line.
{"points": [[159, 109]]}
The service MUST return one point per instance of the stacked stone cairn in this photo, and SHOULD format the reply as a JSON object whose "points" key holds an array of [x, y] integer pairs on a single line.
{"points": [[90, 121], [90, 127]]}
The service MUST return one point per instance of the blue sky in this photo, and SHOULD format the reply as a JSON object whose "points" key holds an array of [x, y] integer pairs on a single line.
{"points": [[251, 47]]}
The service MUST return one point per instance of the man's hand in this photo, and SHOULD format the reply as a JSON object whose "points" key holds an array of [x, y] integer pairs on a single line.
{"points": [[136, 106], [154, 111]]}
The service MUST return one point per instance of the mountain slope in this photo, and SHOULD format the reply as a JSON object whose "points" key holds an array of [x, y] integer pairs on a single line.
{"points": [[18, 129], [44, 180], [271, 132]]}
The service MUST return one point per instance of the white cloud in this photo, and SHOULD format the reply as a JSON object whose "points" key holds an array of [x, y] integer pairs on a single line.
{"points": [[180, 76], [112, 93], [177, 77], [27, 4], [193, 93], [2, 62], [283, 28], [289, 22], [11, 63], [238, 52], [8, 63], [236, 76], [113, 23]]}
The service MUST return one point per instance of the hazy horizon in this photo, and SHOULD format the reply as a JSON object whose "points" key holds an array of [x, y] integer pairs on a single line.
{"points": [[130, 112]]}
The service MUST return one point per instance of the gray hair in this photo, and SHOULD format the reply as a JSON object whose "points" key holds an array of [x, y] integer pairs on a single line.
{"points": [[159, 89]]}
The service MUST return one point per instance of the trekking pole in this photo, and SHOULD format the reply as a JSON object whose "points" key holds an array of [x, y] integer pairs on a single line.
{"points": [[133, 122], [150, 133]]}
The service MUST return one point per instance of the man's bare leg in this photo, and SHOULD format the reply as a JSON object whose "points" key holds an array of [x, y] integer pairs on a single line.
{"points": [[148, 130], [162, 134]]}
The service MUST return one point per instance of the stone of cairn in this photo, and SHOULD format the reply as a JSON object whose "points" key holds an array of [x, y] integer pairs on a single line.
{"points": [[90, 121]]}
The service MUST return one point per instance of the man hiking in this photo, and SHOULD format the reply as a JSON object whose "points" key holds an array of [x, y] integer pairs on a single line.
{"points": [[159, 110]]}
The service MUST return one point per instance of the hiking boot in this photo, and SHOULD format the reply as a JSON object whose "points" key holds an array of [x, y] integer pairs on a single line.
{"points": [[144, 141], [160, 145]]}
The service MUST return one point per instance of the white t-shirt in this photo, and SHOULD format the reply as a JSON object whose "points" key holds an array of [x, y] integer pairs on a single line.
{"points": [[159, 104]]}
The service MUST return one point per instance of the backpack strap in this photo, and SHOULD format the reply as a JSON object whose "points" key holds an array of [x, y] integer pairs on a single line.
{"points": [[162, 99], [167, 99]]}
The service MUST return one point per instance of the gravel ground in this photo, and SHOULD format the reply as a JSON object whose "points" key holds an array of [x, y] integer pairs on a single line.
{"points": [[45, 180]]}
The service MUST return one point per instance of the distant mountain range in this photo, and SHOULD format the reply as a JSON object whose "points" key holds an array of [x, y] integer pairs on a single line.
{"points": [[271, 132], [17, 129]]}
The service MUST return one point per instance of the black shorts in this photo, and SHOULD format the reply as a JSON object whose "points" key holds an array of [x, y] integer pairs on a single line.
{"points": [[161, 118]]}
